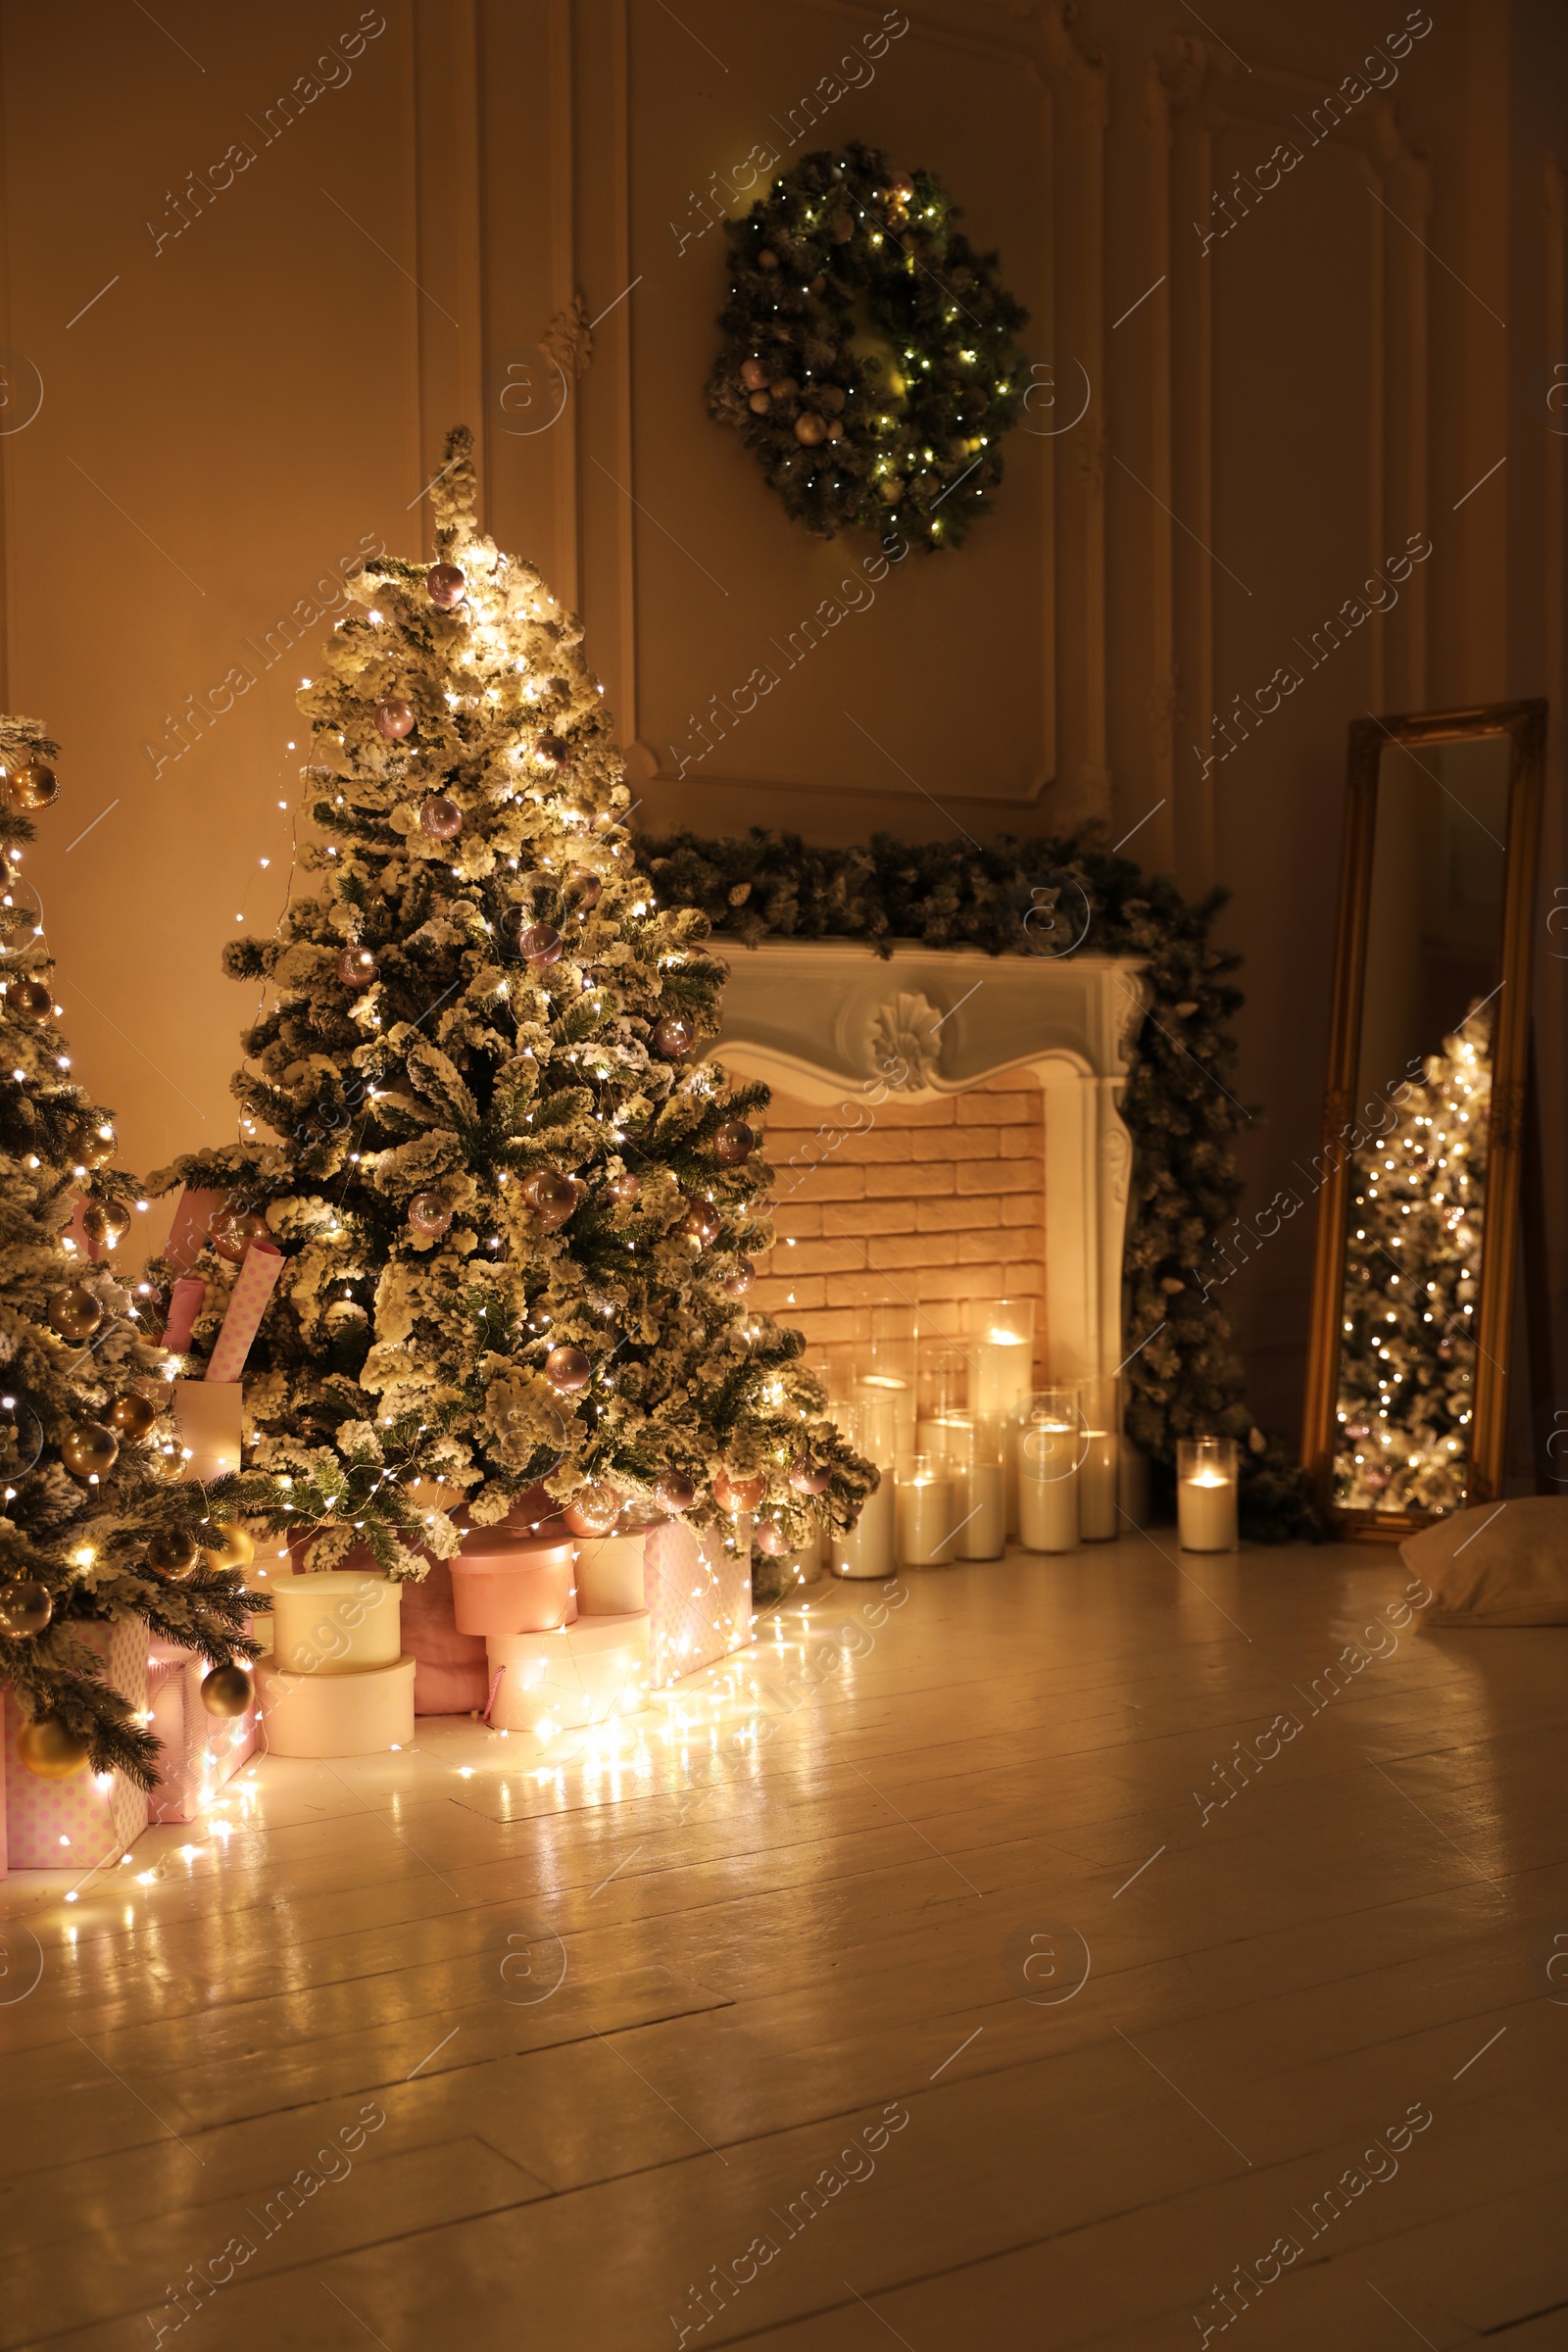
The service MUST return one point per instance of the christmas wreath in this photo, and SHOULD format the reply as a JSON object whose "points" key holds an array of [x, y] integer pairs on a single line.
{"points": [[869, 360]]}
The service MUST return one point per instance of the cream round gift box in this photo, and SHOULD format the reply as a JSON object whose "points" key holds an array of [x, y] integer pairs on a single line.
{"points": [[334, 1623], [316, 1715], [609, 1576], [582, 1673]]}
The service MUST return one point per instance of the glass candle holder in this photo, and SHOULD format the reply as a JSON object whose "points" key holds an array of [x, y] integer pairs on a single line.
{"points": [[870, 1547], [1049, 1451], [942, 1391], [887, 1371], [925, 1514], [999, 1339], [983, 1505], [1098, 1480], [1205, 1493]]}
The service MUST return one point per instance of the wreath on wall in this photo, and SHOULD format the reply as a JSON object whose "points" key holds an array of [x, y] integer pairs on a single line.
{"points": [[1055, 896], [869, 361]]}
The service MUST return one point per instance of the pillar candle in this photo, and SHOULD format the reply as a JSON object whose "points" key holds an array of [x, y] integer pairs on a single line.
{"points": [[985, 1511], [926, 1518], [869, 1548], [1205, 1510]]}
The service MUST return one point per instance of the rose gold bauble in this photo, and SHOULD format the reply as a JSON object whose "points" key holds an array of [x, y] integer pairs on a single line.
{"points": [[446, 585], [674, 1491], [174, 1549], [441, 818], [394, 721], [673, 1036], [768, 1537], [809, 428], [49, 1751], [228, 1691], [25, 1608], [567, 1369], [75, 1312], [737, 1495], [625, 1187], [540, 943], [733, 1144], [809, 1478], [593, 1510], [31, 1000], [133, 1415], [703, 1222], [554, 749], [357, 967], [554, 1196], [429, 1212], [753, 375], [739, 1281], [231, 1236]]}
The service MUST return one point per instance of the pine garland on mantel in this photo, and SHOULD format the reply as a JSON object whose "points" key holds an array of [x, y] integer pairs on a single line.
{"points": [[1052, 895]]}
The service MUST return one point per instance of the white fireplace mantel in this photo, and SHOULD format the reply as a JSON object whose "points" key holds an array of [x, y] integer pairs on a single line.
{"points": [[833, 1022]]}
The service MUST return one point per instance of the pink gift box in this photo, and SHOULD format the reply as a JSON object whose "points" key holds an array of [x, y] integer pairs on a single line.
{"points": [[522, 1588], [201, 1751], [698, 1596], [93, 1817], [451, 1674]]}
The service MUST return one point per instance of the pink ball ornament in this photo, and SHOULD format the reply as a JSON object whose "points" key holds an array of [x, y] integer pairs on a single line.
{"points": [[554, 1197], [441, 818], [674, 1036], [429, 1212], [737, 1495], [446, 585], [738, 1283], [701, 1222], [584, 889], [539, 942], [625, 1187], [394, 721], [734, 1144], [568, 1370], [674, 1491], [593, 1510], [553, 749], [768, 1537], [809, 1478], [357, 967], [753, 375]]}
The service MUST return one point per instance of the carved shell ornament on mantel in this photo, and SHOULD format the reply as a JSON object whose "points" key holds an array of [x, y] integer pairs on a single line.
{"points": [[905, 1040]]}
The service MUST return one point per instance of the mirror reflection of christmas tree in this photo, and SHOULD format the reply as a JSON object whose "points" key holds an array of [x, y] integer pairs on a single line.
{"points": [[1412, 1270]]}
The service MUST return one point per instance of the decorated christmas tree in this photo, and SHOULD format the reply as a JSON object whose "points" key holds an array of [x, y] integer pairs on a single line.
{"points": [[517, 1208], [1412, 1289], [94, 1525]]}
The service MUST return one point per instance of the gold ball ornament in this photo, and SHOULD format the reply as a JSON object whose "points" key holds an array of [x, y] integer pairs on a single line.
{"points": [[227, 1547], [809, 428], [429, 1212], [734, 1144], [104, 1224], [231, 1236], [228, 1691], [34, 786], [133, 1415], [31, 999], [25, 1608], [173, 1550], [554, 1197], [75, 1312], [702, 1223], [758, 403], [88, 1449], [357, 967], [49, 1751], [568, 1370]]}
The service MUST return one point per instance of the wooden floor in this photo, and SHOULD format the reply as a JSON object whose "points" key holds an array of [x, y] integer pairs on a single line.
{"points": [[774, 2027]]}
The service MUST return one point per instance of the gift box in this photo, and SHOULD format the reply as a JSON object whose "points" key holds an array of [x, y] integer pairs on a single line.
{"points": [[201, 1751], [451, 1675], [578, 1673], [698, 1595], [500, 1587], [322, 1715], [95, 1816]]}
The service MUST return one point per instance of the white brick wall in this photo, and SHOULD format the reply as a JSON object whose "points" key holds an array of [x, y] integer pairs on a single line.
{"points": [[941, 1200]]}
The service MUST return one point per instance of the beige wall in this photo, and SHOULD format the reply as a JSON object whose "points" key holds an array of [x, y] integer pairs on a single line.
{"points": [[248, 401]]}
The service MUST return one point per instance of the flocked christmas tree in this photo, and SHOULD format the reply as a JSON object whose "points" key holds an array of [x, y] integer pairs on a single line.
{"points": [[93, 1523], [1412, 1289], [518, 1211]]}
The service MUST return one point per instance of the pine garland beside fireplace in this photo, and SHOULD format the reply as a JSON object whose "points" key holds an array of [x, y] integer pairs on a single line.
{"points": [[1053, 895]]}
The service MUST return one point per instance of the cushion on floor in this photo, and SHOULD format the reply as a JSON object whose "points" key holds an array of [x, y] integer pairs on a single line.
{"points": [[1495, 1563]]}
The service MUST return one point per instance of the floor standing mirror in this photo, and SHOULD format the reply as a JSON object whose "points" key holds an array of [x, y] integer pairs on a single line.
{"points": [[1419, 1172]]}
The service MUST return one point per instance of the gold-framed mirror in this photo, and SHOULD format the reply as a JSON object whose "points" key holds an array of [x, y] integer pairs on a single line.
{"points": [[1418, 1174]]}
